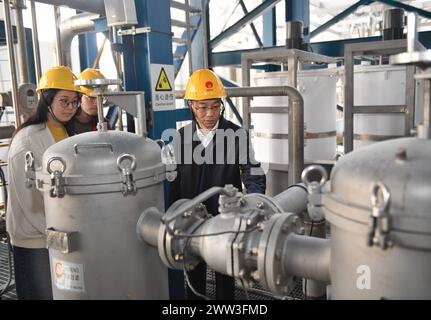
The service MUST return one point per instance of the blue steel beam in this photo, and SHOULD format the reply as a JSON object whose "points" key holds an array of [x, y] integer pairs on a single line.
{"points": [[270, 28], [340, 17], [253, 28], [230, 84], [247, 19], [397, 4], [327, 48], [87, 50]]}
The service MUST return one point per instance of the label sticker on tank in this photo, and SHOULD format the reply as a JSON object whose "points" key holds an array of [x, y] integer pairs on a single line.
{"points": [[67, 276]]}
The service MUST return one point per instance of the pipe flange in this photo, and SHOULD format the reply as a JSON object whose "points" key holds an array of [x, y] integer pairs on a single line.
{"points": [[171, 247], [261, 202], [271, 244]]}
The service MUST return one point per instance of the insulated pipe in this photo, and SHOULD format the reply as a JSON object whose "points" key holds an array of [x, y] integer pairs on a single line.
{"points": [[12, 64], [94, 6], [35, 38], [307, 257], [296, 121], [22, 48], [294, 199], [71, 27]]}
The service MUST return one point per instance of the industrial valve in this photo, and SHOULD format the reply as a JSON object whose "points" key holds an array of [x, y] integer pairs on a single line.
{"points": [[252, 239]]}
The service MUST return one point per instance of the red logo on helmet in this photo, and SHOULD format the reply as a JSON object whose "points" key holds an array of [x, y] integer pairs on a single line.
{"points": [[209, 85]]}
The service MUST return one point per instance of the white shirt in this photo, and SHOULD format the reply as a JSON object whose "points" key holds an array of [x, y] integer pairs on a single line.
{"points": [[206, 138]]}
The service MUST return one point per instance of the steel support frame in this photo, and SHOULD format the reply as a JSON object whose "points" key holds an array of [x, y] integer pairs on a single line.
{"points": [[327, 48], [293, 58], [378, 48], [247, 19], [276, 55], [355, 6]]}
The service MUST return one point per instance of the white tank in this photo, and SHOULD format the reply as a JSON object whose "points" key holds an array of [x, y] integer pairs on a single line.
{"points": [[378, 86], [318, 88]]}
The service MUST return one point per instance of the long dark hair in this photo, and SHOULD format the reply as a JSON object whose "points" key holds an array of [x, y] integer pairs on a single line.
{"points": [[40, 115]]}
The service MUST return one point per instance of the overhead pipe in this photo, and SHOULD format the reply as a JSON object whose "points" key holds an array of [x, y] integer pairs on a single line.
{"points": [[93, 6], [12, 64], [295, 125], [71, 27], [22, 48]]}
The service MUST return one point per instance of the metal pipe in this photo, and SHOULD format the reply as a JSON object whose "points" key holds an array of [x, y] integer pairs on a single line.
{"points": [[71, 27], [412, 21], [94, 6], [195, 201], [102, 126], [57, 17], [22, 48], [148, 226], [296, 121], [204, 32], [307, 257], [12, 64], [293, 199], [189, 35], [35, 39], [314, 289]]}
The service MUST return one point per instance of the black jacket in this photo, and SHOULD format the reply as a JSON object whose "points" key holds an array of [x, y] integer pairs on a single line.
{"points": [[228, 159]]}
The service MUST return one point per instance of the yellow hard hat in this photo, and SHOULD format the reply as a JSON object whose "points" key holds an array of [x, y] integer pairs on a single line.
{"points": [[90, 74], [60, 77], [204, 84]]}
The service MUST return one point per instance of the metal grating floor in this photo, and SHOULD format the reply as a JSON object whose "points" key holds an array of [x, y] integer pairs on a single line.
{"points": [[254, 293], [10, 293]]}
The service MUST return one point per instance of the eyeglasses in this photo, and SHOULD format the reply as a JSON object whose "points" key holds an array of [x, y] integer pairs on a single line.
{"points": [[64, 103], [204, 110], [90, 99]]}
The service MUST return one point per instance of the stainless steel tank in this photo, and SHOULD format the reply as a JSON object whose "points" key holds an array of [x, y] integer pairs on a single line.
{"points": [[379, 207], [95, 187]]}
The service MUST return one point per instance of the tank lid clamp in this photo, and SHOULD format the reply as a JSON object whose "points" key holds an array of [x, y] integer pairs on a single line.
{"points": [[126, 163], [57, 185], [379, 226], [314, 188]]}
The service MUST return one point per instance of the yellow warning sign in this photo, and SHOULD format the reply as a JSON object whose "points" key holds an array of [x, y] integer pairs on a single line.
{"points": [[163, 83]]}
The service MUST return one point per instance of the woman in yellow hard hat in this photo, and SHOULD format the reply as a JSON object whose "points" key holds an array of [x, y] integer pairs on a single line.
{"points": [[86, 117], [25, 218], [212, 151]]}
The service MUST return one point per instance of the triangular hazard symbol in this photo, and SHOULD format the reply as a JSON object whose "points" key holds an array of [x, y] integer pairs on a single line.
{"points": [[163, 82]]}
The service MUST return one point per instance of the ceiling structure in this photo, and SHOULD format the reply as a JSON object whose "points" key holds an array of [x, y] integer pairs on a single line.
{"points": [[366, 21]]}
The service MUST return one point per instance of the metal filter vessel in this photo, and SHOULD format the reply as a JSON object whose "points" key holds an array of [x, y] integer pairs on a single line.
{"points": [[379, 207], [95, 186]]}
